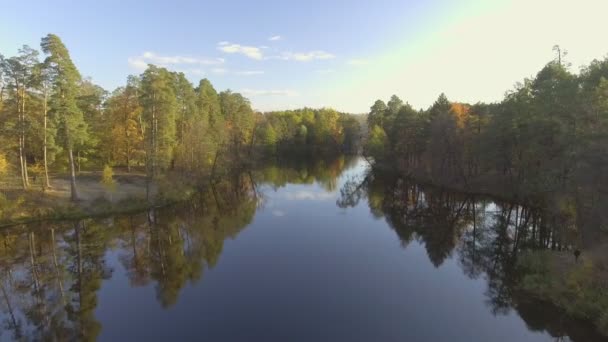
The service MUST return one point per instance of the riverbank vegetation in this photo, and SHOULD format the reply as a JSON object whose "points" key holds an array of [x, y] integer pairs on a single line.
{"points": [[158, 127], [576, 286], [543, 145]]}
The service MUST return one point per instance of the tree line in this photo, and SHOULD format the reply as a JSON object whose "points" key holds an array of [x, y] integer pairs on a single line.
{"points": [[547, 136], [54, 120]]}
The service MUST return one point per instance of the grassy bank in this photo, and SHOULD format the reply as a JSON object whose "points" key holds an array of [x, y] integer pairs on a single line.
{"points": [[128, 195], [17, 213], [578, 287]]}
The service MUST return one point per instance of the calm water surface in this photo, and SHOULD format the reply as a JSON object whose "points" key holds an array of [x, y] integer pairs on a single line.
{"points": [[320, 252]]}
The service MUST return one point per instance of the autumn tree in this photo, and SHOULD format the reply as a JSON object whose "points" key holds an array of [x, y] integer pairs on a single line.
{"points": [[124, 112]]}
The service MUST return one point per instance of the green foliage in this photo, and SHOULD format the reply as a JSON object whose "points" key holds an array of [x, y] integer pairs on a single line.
{"points": [[544, 137], [239, 121], [574, 288], [377, 114], [320, 131], [158, 120], [72, 128], [159, 105], [377, 143], [208, 103], [351, 131], [269, 137]]}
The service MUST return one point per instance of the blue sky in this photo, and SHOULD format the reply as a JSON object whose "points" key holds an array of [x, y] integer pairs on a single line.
{"points": [[342, 54]]}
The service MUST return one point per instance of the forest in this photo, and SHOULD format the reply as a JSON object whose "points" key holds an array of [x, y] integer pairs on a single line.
{"points": [[159, 125], [544, 144]]}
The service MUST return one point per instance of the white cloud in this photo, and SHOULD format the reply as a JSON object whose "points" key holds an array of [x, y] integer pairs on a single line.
{"points": [[324, 71], [278, 213], [195, 71], [223, 71], [304, 56], [138, 63], [141, 62], [309, 195], [275, 38], [357, 62], [249, 72], [263, 92], [219, 70], [252, 52]]}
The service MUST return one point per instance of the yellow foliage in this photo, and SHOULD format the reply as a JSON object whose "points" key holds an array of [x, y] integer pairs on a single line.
{"points": [[461, 111], [107, 178], [36, 169], [3, 165]]}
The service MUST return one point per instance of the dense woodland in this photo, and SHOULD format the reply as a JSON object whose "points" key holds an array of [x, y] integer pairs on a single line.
{"points": [[546, 140], [55, 121]]}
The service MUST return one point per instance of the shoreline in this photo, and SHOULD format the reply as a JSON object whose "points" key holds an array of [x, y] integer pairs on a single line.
{"points": [[79, 213], [551, 276]]}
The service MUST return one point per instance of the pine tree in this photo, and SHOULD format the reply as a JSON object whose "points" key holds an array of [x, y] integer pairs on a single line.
{"points": [[71, 127]]}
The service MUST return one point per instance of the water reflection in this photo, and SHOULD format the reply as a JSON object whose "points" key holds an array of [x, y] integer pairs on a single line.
{"points": [[51, 273], [485, 234]]}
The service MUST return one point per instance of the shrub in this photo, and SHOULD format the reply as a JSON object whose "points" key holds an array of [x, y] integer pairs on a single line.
{"points": [[107, 178], [575, 289]]}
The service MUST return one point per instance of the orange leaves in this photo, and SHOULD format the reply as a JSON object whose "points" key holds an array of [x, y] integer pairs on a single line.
{"points": [[461, 112]]}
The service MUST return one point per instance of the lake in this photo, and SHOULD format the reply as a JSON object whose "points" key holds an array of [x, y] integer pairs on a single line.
{"points": [[321, 251]]}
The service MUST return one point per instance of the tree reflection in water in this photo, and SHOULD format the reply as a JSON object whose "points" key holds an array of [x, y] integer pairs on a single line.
{"points": [[51, 273], [485, 235]]}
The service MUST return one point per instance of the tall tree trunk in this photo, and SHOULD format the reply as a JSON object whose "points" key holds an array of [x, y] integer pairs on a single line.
{"points": [[154, 128], [20, 124], [46, 169], [128, 153], [21, 162], [73, 190], [26, 177]]}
